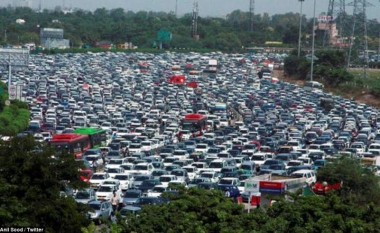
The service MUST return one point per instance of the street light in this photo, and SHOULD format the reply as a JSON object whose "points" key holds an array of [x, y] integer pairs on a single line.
{"points": [[300, 29], [312, 46]]}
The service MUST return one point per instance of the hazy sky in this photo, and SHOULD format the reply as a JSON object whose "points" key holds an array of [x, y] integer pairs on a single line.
{"points": [[206, 7]]}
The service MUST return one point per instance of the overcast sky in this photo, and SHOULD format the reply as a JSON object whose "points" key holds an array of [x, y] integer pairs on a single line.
{"points": [[206, 7]]}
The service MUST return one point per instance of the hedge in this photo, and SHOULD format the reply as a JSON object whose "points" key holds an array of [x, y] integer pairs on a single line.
{"points": [[13, 118]]}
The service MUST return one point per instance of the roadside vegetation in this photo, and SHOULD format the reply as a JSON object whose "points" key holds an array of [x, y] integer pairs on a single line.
{"points": [[330, 69], [13, 118]]}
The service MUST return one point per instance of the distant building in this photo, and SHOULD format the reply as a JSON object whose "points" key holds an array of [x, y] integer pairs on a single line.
{"points": [[52, 38]]}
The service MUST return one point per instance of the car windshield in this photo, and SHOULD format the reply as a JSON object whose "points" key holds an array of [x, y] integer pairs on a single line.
{"points": [[141, 178], [113, 170], [132, 195], [216, 165], [319, 163], [166, 150], [158, 173], [82, 195], [297, 175], [207, 175], [269, 162], [97, 177], [165, 179], [159, 189], [246, 167], [177, 173], [121, 177], [94, 206], [228, 182], [258, 157], [105, 189], [141, 167], [115, 162]]}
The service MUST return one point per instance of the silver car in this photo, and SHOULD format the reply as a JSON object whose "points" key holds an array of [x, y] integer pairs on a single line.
{"points": [[99, 210], [85, 196]]}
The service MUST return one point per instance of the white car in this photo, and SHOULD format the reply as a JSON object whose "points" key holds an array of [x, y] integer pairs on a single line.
{"points": [[98, 178], [134, 148], [192, 172], [157, 191], [201, 147], [115, 163], [309, 175], [105, 192], [146, 146], [165, 179], [126, 181], [115, 171]]}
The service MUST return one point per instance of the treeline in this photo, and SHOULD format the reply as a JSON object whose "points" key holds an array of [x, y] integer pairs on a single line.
{"points": [[140, 28], [329, 67]]}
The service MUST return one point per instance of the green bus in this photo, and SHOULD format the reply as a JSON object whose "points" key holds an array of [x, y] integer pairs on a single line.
{"points": [[98, 136]]}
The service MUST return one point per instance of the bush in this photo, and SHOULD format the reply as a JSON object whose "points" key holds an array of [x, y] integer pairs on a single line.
{"points": [[13, 120]]}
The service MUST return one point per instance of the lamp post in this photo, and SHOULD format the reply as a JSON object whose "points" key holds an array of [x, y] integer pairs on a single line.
{"points": [[300, 29], [312, 46]]}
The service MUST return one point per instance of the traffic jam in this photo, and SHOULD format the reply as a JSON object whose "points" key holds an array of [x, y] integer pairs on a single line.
{"points": [[140, 123]]}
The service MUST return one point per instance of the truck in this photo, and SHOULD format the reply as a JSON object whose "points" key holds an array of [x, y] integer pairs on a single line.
{"points": [[271, 184]]}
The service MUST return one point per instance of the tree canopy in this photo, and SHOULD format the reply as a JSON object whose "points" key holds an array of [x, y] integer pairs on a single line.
{"points": [[30, 184], [329, 67]]}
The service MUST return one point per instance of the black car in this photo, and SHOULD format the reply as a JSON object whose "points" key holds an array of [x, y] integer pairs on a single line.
{"points": [[149, 184], [151, 201]]}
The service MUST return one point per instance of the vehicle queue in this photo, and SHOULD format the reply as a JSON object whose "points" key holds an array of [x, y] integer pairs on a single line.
{"points": [[137, 131]]}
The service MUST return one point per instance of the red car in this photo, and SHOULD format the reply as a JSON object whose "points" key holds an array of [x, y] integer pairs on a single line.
{"points": [[321, 188], [85, 175]]}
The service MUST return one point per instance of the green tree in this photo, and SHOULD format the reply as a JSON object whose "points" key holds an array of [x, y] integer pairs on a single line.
{"points": [[359, 184], [31, 181]]}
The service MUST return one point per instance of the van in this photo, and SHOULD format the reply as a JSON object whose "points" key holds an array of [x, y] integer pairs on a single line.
{"points": [[309, 175]]}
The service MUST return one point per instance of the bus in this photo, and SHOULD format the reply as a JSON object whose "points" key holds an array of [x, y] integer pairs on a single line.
{"points": [[98, 136], [71, 143], [195, 123]]}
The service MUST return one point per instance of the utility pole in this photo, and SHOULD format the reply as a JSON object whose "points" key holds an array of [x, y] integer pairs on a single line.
{"points": [[313, 46], [300, 29], [336, 11], [359, 40]]}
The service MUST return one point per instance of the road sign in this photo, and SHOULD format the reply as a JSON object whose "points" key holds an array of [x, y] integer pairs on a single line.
{"points": [[12, 92]]}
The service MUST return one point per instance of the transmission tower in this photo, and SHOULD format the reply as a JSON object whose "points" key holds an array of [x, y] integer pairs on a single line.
{"points": [[336, 17], [195, 21], [359, 40], [251, 11]]}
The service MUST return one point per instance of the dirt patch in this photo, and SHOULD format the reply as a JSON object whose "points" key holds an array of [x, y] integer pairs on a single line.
{"points": [[358, 96], [368, 99]]}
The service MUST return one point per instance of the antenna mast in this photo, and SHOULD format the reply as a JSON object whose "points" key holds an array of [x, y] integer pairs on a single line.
{"points": [[359, 40], [251, 11], [195, 21]]}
